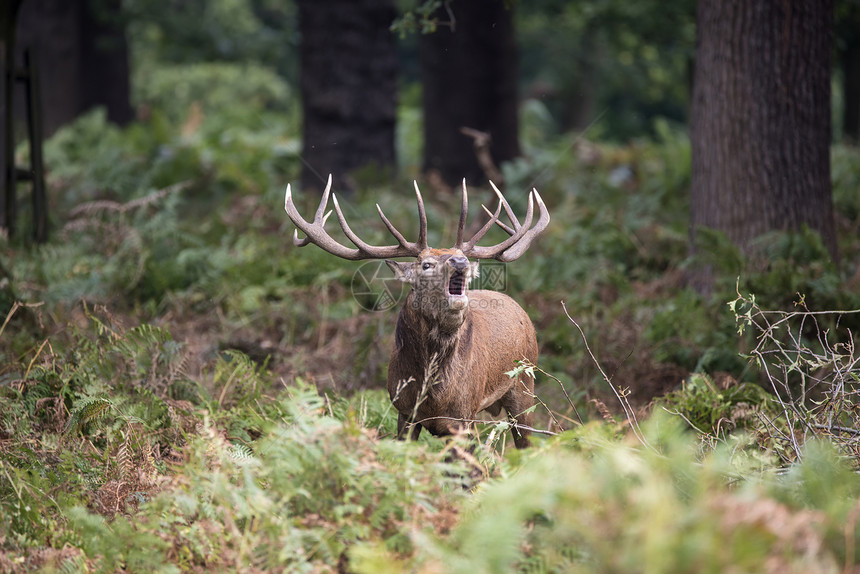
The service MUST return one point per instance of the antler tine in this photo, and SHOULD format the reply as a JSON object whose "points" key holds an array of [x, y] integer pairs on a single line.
{"points": [[362, 245], [295, 217], [301, 242], [324, 201], [494, 218], [315, 232], [321, 214], [508, 209], [521, 235], [391, 229], [422, 219], [521, 246], [495, 251], [464, 208], [508, 230]]}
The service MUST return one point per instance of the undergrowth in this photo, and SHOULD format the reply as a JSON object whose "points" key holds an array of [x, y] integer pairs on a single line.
{"points": [[103, 469]]}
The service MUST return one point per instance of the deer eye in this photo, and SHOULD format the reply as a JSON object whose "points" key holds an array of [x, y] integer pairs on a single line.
{"points": [[427, 265]]}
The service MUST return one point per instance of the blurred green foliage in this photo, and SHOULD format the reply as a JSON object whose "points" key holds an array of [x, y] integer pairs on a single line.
{"points": [[240, 31], [619, 64]]}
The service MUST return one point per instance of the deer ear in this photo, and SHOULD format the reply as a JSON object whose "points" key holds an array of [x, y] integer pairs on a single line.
{"points": [[476, 268], [402, 271]]}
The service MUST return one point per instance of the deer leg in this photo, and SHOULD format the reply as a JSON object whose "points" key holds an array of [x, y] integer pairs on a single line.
{"points": [[403, 424], [521, 435], [518, 406]]}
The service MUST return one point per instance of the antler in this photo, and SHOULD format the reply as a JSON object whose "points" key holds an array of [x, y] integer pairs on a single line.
{"points": [[521, 235], [315, 231]]}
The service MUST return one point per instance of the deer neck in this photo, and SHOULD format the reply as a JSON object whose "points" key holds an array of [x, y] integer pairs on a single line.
{"points": [[435, 336], [434, 318]]}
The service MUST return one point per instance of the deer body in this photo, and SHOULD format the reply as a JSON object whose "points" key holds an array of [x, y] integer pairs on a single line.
{"points": [[453, 347], [440, 382]]}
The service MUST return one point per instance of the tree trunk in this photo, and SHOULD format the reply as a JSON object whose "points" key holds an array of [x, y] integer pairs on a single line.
{"points": [[851, 90], [104, 54], [760, 122], [469, 72], [88, 38], [848, 57], [348, 87]]}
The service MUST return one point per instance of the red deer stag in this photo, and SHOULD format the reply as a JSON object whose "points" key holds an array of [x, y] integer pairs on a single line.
{"points": [[452, 346]]}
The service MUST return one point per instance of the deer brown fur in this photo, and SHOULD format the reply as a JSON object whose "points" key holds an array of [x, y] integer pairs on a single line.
{"points": [[453, 347], [450, 359]]}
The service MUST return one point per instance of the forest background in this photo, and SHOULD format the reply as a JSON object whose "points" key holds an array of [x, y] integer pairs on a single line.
{"points": [[183, 389]]}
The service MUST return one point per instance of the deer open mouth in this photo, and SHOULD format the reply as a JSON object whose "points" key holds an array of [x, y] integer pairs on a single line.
{"points": [[457, 284]]}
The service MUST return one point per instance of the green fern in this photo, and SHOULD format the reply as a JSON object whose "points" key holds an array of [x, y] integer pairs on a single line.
{"points": [[241, 454], [141, 339], [237, 375], [74, 565], [90, 409], [124, 462]]}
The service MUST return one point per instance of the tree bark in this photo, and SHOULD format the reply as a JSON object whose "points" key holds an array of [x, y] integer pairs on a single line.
{"points": [[760, 122], [469, 72], [848, 54], [83, 58], [104, 54], [850, 57], [348, 88]]}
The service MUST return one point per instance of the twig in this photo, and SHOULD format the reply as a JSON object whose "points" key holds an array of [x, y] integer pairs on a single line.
{"points": [[837, 428], [15, 306], [566, 396], [36, 356], [625, 404]]}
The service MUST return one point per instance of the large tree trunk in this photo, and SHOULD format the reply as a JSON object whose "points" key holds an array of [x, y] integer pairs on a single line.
{"points": [[760, 124], [348, 87], [469, 72]]}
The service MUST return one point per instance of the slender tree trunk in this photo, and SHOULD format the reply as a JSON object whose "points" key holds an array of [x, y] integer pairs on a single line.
{"points": [[348, 87], [469, 72], [760, 125]]}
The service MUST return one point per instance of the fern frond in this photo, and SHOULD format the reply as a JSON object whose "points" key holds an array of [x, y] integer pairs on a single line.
{"points": [[242, 455], [124, 462], [179, 369], [90, 409], [141, 339], [74, 565], [237, 370], [147, 472]]}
